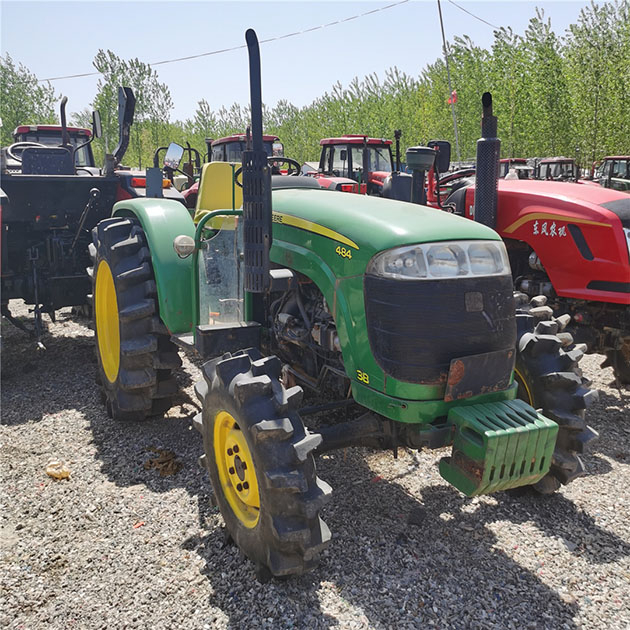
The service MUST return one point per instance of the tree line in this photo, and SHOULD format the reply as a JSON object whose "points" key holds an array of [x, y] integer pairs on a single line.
{"points": [[554, 95]]}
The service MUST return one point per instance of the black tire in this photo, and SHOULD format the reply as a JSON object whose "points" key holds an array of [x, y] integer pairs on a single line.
{"points": [[143, 384], [279, 529], [550, 380]]}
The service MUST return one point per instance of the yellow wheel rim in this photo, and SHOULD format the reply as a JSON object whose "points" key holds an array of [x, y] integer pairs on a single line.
{"points": [[107, 325], [523, 390], [236, 469]]}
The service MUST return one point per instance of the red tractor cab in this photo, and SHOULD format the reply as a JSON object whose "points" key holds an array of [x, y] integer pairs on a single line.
{"points": [[366, 161], [516, 168], [51, 136], [614, 172], [560, 169], [230, 149]]}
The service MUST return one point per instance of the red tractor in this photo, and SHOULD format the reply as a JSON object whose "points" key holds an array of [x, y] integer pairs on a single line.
{"points": [[230, 149], [614, 172], [355, 158], [566, 241], [560, 169], [515, 168]]}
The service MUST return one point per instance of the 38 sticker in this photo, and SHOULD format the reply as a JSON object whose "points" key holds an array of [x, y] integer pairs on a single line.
{"points": [[343, 252], [363, 377]]}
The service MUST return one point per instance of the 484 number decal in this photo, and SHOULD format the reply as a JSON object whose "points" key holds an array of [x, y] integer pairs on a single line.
{"points": [[343, 252]]}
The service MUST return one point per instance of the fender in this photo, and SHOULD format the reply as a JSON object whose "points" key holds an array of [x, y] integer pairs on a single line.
{"points": [[162, 220]]}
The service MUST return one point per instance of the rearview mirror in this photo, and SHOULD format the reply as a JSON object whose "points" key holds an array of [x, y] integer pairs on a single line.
{"points": [[343, 155], [443, 159], [277, 149], [173, 156], [97, 130]]}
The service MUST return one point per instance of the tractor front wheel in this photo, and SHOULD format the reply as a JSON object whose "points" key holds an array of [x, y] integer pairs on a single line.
{"points": [[134, 350], [259, 457], [549, 379]]}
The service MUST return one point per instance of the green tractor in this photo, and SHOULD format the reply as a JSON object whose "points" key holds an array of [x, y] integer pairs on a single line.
{"points": [[402, 310]]}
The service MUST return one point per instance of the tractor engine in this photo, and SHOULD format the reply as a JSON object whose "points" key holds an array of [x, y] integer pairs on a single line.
{"points": [[306, 336]]}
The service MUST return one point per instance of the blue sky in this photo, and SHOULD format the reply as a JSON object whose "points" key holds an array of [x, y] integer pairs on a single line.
{"points": [[61, 38]]}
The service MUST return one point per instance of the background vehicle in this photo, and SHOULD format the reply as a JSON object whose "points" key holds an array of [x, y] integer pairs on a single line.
{"points": [[403, 311], [570, 243], [367, 161], [230, 149], [51, 136], [49, 205], [560, 169], [53, 196], [520, 167], [614, 172]]}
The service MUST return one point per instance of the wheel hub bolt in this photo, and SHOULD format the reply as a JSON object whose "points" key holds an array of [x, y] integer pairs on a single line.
{"points": [[231, 471], [245, 486], [236, 448], [229, 452], [239, 487]]}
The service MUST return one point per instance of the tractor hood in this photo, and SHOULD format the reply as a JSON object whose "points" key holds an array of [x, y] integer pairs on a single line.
{"points": [[565, 201], [367, 224]]}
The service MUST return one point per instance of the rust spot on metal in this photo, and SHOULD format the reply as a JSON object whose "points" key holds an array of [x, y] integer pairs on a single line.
{"points": [[468, 466], [458, 370]]}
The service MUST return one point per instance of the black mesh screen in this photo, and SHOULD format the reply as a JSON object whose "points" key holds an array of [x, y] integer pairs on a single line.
{"points": [[416, 327], [257, 219]]}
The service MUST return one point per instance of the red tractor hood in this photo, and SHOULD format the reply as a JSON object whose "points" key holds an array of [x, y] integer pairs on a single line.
{"points": [[577, 232]]}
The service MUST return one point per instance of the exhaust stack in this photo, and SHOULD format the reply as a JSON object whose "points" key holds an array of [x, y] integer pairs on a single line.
{"points": [[488, 151], [256, 185], [65, 136]]}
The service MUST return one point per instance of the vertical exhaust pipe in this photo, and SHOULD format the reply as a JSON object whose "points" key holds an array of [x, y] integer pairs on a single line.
{"points": [[397, 134], [256, 185], [488, 151], [65, 136]]}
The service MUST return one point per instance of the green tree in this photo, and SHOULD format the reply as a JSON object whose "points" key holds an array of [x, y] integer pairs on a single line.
{"points": [[23, 100], [153, 105]]}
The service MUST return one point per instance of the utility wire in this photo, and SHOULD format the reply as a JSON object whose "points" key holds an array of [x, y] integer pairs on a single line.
{"points": [[473, 15], [262, 41]]}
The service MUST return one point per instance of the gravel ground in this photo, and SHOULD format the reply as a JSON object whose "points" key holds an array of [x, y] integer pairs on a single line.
{"points": [[118, 546]]}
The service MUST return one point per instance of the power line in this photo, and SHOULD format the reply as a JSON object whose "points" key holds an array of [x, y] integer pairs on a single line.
{"points": [[262, 41], [473, 15]]}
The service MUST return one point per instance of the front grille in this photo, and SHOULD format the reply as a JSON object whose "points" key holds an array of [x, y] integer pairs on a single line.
{"points": [[416, 327]]}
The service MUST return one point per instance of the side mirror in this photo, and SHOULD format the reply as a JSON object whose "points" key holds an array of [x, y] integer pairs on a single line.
{"points": [[343, 155], [97, 129], [277, 149], [443, 159], [173, 156]]}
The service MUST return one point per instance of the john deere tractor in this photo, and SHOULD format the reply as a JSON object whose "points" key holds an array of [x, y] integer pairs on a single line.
{"points": [[403, 311]]}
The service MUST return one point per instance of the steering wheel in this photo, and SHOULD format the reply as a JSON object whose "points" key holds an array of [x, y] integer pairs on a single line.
{"points": [[294, 168], [22, 146]]}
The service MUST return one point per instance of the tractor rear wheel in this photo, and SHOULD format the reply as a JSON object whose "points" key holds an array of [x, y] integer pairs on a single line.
{"points": [[134, 350], [549, 379], [259, 457]]}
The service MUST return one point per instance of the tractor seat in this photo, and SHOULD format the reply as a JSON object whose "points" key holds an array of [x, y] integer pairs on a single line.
{"points": [[218, 191], [47, 161]]}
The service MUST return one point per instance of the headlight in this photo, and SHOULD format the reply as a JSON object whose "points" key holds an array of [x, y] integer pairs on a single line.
{"points": [[442, 260]]}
